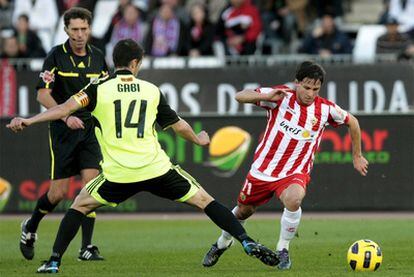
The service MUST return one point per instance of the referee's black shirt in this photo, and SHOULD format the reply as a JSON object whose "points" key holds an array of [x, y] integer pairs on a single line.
{"points": [[65, 73]]}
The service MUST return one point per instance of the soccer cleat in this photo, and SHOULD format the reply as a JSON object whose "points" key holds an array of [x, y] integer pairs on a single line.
{"points": [[213, 255], [90, 253], [49, 267], [264, 254], [27, 241], [285, 262]]}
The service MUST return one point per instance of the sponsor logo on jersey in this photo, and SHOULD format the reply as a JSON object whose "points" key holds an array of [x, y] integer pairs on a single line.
{"points": [[296, 132], [47, 76]]}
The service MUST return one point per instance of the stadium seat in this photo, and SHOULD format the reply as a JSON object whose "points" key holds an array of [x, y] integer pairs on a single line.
{"points": [[103, 13], [60, 35], [45, 35], [365, 43]]}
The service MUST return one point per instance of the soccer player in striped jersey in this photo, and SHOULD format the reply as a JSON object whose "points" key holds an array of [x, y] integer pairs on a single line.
{"points": [[296, 120]]}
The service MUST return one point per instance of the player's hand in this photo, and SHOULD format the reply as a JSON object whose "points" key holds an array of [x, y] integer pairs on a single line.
{"points": [[361, 165], [17, 124], [275, 95], [203, 138], [74, 122]]}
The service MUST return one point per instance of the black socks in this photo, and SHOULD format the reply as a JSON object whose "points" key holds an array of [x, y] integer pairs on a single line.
{"points": [[226, 220], [43, 207], [88, 224], [67, 231]]}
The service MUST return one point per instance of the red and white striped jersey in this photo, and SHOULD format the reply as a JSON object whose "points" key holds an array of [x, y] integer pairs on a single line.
{"points": [[292, 135]]}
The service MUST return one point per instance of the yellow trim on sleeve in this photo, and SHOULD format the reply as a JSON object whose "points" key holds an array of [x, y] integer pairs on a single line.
{"points": [[92, 75], [52, 158], [68, 74], [53, 70]]}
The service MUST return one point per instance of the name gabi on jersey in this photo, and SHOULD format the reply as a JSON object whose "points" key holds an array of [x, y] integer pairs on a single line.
{"points": [[296, 132], [128, 87]]}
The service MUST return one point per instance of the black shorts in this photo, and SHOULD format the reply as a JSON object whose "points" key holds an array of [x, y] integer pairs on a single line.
{"points": [[175, 185], [72, 150]]}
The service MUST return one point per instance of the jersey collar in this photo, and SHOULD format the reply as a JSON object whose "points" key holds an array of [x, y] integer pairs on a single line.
{"points": [[123, 72]]}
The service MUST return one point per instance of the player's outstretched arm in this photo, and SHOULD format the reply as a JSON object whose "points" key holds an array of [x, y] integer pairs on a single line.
{"points": [[360, 163], [57, 112], [45, 98], [252, 96], [183, 129]]}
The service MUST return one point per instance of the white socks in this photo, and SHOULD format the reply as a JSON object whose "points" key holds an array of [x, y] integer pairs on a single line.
{"points": [[226, 239], [288, 226]]}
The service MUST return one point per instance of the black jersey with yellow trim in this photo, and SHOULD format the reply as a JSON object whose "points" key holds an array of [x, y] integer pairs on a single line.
{"points": [[66, 73]]}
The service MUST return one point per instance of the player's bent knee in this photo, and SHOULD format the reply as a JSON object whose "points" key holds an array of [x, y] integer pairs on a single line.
{"points": [[245, 211], [85, 203], [293, 203], [55, 196], [201, 199]]}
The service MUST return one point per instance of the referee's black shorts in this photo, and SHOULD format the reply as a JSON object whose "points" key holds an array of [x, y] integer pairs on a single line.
{"points": [[72, 150], [176, 185]]}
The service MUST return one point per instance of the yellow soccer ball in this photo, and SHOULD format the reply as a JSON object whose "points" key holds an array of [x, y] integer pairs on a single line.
{"points": [[364, 255]]}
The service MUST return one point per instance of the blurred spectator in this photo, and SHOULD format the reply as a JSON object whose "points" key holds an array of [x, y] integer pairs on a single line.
{"points": [[281, 20], [10, 48], [214, 7], [333, 7], [299, 9], [238, 27], [30, 45], [408, 53], [403, 11], [115, 19], [179, 11], [130, 26], [63, 5], [167, 35], [385, 12], [43, 14], [392, 41], [278, 22], [6, 12], [201, 31], [326, 39]]}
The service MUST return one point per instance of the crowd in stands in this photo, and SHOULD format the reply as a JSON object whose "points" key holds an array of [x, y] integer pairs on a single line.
{"points": [[203, 27]]}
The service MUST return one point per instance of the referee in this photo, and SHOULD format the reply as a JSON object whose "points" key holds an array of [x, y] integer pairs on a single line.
{"points": [[126, 109], [73, 146]]}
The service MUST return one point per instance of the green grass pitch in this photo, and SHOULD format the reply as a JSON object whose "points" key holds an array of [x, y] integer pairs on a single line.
{"points": [[143, 247]]}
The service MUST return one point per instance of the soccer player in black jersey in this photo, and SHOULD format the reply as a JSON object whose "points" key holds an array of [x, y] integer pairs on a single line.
{"points": [[73, 146]]}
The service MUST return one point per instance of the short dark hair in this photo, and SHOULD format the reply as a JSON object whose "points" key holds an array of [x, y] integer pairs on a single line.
{"points": [[75, 13], [311, 70], [24, 16], [125, 51]]}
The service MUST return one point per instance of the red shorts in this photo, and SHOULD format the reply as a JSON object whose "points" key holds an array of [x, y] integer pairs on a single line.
{"points": [[257, 192]]}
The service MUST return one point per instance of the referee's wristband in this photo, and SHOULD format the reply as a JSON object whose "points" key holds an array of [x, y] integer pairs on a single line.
{"points": [[66, 120]]}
